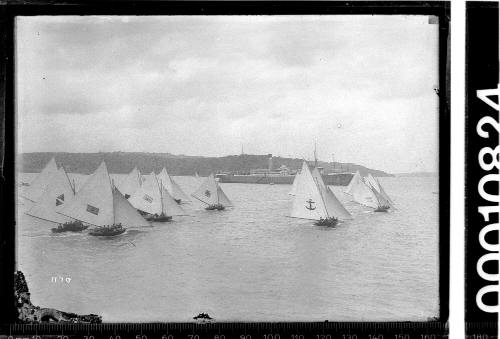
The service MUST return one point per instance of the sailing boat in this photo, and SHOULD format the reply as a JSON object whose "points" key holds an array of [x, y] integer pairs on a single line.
{"points": [[131, 183], [154, 201], [58, 192], [383, 204], [365, 194], [101, 204], [314, 200], [212, 195], [37, 187], [172, 187], [294, 184], [355, 178], [375, 184]]}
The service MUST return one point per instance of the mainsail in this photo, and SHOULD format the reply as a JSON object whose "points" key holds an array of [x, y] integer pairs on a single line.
{"points": [[372, 181], [378, 187], [152, 198], [172, 187], [131, 182], [333, 206], [355, 178], [58, 192], [97, 203], [362, 193], [93, 203], [294, 185], [125, 213], [382, 202], [37, 187], [169, 206], [313, 199], [211, 193]]}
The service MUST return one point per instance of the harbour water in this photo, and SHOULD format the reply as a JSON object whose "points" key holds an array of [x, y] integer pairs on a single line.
{"points": [[247, 263]]}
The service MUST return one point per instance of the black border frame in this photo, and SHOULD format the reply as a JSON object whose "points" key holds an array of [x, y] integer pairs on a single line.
{"points": [[441, 9], [482, 72]]}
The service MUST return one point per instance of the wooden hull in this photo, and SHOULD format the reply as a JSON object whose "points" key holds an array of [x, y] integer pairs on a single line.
{"points": [[70, 227], [161, 218], [330, 222], [107, 232]]}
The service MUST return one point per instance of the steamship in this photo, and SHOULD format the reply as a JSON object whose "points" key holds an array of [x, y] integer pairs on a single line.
{"points": [[280, 176]]}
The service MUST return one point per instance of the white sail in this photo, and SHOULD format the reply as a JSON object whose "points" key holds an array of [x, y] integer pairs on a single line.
{"points": [[294, 184], [385, 195], [381, 200], [308, 201], [210, 193], [381, 190], [58, 192], [378, 187], [332, 203], [362, 193], [223, 199], [93, 203], [36, 188], [169, 206], [130, 183], [172, 187], [148, 197], [354, 179], [334, 206], [369, 178], [125, 213]]}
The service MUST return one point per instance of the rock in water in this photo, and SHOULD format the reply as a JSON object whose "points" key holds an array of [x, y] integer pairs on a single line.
{"points": [[29, 313], [203, 318]]}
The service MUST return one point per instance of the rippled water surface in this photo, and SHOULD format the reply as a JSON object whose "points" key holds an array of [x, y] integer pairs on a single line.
{"points": [[250, 262]]}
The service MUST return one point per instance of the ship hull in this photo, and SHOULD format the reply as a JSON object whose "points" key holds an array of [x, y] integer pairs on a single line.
{"points": [[336, 179]]}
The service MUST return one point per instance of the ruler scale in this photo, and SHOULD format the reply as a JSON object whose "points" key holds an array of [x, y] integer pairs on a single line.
{"points": [[298, 330]]}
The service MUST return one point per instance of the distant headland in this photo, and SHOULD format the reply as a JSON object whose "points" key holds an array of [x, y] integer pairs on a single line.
{"points": [[124, 162]]}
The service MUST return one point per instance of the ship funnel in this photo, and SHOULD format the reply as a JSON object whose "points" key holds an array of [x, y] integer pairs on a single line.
{"points": [[270, 163]]}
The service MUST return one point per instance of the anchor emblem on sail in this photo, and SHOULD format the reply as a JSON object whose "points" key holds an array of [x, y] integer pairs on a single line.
{"points": [[310, 207]]}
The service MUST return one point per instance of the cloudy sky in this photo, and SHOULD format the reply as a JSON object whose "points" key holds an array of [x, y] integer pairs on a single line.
{"points": [[362, 87]]}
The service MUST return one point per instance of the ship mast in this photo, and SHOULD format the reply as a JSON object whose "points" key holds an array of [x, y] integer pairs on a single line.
{"points": [[113, 197], [315, 155], [161, 195]]}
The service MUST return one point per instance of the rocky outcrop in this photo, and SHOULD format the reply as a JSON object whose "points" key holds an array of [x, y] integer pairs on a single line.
{"points": [[203, 318], [29, 313]]}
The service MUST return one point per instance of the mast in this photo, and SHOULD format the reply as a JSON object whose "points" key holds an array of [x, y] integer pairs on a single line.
{"points": [[112, 196], [315, 155], [321, 195], [217, 192], [161, 196]]}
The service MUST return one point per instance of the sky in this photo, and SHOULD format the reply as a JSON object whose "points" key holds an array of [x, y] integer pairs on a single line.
{"points": [[360, 87]]}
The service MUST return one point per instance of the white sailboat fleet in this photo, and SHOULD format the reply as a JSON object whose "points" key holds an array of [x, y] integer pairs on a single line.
{"points": [[139, 199], [101, 204], [154, 201]]}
